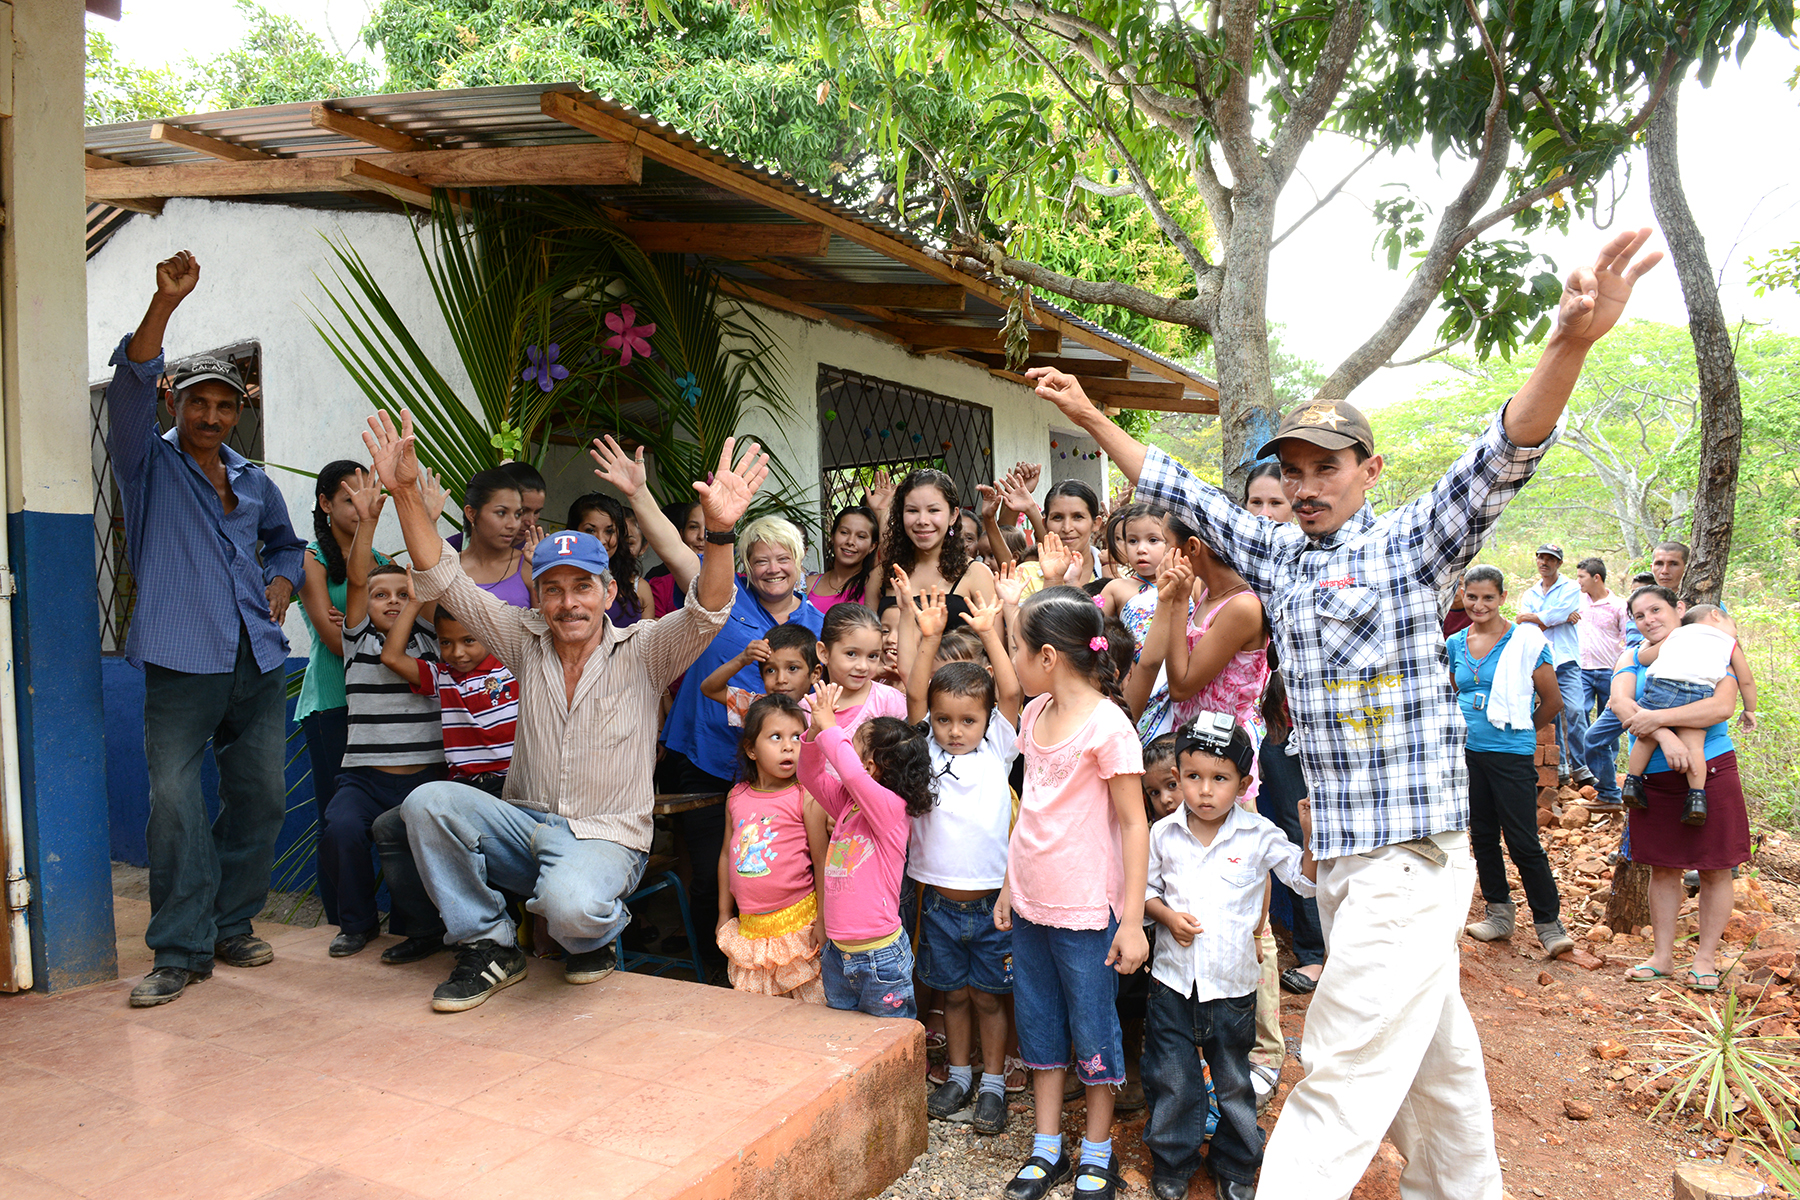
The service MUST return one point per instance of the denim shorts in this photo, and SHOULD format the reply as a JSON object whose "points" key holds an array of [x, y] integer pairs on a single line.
{"points": [[1064, 994], [1673, 693], [878, 982], [959, 946]]}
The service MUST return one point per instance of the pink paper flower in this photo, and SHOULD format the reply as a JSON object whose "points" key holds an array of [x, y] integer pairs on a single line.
{"points": [[628, 337]]}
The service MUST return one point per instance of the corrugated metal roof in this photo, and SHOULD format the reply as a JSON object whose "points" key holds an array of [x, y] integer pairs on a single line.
{"points": [[474, 118]]}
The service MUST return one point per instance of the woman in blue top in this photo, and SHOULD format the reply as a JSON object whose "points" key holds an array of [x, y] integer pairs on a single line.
{"points": [[1502, 770], [1655, 835]]}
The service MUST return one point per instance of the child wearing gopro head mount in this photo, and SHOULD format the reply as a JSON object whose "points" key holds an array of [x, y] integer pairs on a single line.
{"points": [[1206, 889]]}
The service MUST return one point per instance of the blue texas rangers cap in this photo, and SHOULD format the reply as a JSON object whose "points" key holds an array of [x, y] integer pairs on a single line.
{"points": [[569, 548]]}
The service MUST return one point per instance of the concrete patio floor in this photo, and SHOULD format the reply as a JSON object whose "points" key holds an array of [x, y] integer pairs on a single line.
{"points": [[322, 1078]]}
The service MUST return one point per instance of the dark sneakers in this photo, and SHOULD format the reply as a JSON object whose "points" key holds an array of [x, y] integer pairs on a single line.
{"points": [[164, 984], [243, 950], [592, 966], [482, 968], [346, 944], [413, 949]]}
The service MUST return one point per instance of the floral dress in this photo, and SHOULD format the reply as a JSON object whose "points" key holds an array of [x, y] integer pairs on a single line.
{"points": [[1237, 689], [1136, 615]]}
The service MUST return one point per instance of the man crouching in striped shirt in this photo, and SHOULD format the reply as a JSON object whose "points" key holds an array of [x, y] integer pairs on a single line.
{"points": [[572, 826]]}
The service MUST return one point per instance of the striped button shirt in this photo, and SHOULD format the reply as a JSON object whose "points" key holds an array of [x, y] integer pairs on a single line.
{"points": [[199, 578], [1355, 618], [481, 714], [390, 724], [588, 761]]}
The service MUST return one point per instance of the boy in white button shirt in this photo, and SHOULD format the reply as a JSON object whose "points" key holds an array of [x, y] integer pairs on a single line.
{"points": [[1207, 891]]}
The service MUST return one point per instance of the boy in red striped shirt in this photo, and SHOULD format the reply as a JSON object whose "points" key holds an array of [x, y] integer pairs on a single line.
{"points": [[479, 699]]}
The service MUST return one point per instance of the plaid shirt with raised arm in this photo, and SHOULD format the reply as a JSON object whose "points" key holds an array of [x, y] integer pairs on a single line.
{"points": [[1356, 620]]}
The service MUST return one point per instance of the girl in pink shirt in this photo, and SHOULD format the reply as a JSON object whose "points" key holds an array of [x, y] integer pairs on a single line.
{"points": [[850, 650], [1074, 894], [771, 941], [882, 778]]}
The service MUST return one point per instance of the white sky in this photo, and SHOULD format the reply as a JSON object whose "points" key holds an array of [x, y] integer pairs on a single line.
{"points": [[1325, 284]]}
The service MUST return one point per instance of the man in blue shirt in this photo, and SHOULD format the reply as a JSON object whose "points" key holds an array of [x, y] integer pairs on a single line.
{"points": [[1553, 604], [207, 632]]}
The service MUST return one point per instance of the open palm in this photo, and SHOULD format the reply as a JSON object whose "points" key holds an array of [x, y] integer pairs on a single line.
{"points": [[1594, 298], [726, 496], [618, 468], [392, 451]]}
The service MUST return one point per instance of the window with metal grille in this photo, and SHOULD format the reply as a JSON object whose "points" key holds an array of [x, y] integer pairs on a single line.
{"points": [[116, 589], [867, 424]]}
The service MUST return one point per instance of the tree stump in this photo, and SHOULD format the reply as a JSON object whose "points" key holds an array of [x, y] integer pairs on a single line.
{"points": [[1628, 905], [1705, 1181]]}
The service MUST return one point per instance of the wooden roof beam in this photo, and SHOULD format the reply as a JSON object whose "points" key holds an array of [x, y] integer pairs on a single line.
{"points": [[1203, 405], [1106, 368], [360, 172], [966, 337], [728, 241], [375, 134], [187, 139], [933, 297], [545, 165], [150, 206], [1103, 390]]}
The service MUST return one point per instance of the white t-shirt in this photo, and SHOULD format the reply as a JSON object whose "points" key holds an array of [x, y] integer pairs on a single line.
{"points": [[1698, 654], [961, 843]]}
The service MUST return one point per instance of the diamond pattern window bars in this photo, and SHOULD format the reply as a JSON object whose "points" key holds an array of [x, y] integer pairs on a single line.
{"points": [[867, 423], [116, 589]]}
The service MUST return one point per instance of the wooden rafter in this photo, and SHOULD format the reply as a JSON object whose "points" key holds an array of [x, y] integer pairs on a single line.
{"points": [[405, 188], [574, 112], [933, 297], [728, 241], [608, 165], [1129, 391], [187, 139], [383, 136], [1107, 368], [966, 337]]}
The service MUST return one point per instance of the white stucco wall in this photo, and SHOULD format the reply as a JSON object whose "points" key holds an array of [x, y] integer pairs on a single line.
{"points": [[260, 266]]}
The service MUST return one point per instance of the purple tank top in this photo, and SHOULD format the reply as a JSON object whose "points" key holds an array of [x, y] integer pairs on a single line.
{"points": [[512, 589]]}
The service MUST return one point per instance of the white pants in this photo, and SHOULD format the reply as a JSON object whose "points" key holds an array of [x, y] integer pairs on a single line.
{"points": [[1390, 1048]]}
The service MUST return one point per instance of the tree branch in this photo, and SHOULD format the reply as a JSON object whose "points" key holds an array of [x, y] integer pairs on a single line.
{"points": [[1327, 198], [1412, 362], [1322, 88], [1568, 139], [1195, 314]]}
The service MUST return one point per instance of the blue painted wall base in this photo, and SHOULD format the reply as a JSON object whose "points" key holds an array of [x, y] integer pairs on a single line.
{"points": [[62, 754]]}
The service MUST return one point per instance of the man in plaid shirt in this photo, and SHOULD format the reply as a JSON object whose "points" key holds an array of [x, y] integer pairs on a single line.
{"points": [[1352, 598]]}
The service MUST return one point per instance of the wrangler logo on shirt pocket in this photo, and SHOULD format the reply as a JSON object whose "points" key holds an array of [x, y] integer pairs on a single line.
{"points": [[1350, 627]]}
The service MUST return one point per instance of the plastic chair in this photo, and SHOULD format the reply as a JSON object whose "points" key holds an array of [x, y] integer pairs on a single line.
{"points": [[631, 960]]}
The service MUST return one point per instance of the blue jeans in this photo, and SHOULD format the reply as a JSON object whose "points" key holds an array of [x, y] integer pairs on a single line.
{"points": [[878, 982], [1064, 994], [327, 733], [1601, 754], [468, 844], [1283, 787], [1572, 722], [960, 947], [1224, 1031], [206, 883]]}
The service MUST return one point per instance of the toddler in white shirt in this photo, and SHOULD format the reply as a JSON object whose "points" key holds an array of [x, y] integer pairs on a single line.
{"points": [[1207, 890], [1683, 669]]}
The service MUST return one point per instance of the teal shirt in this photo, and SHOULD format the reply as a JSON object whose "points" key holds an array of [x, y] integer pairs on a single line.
{"points": [[1474, 680], [323, 687]]}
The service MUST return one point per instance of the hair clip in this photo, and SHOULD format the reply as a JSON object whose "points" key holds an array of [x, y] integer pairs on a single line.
{"points": [[1097, 644], [1099, 601]]}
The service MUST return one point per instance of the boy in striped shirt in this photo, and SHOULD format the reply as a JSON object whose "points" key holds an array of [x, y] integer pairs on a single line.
{"points": [[479, 702]]}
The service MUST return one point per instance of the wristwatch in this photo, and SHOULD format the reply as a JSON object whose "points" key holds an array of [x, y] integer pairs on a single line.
{"points": [[726, 538]]}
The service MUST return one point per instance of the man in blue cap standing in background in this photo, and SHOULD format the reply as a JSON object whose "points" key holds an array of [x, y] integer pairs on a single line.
{"points": [[572, 827]]}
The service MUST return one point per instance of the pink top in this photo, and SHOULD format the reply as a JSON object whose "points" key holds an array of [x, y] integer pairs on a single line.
{"points": [[868, 841], [1067, 859], [1601, 632], [770, 866], [1237, 689], [824, 602], [882, 701]]}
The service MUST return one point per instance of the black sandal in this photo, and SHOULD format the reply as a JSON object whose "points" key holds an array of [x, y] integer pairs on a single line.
{"points": [[1109, 1180], [1021, 1188], [1299, 982]]}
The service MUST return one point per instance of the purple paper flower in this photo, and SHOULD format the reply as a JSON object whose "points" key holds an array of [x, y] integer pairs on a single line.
{"points": [[628, 336], [544, 368]]}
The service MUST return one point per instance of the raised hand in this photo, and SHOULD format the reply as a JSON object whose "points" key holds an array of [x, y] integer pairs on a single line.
{"points": [[990, 500], [366, 495], [1174, 580], [1008, 584], [1054, 560], [727, 495], [393, 451], [1029, 473], [824, 705], [624, 472], [1016, 492], [177, 276], [881, 494], [435, 493], [1594, 297], [758, 650], [902, 585], [933, 614], [534, 533], [983, 612]]}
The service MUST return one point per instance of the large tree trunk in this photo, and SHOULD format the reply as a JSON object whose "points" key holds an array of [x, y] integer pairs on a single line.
{"points": [[1721, 413], [1248, 414], [1628, 906]]}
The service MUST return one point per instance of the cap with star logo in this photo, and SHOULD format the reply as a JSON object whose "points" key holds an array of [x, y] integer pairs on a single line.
{"points": [[1332, 424]]}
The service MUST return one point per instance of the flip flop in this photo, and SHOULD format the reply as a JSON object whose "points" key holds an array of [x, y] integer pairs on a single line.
{"points": [[1644, 973], [1691, 978]]}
